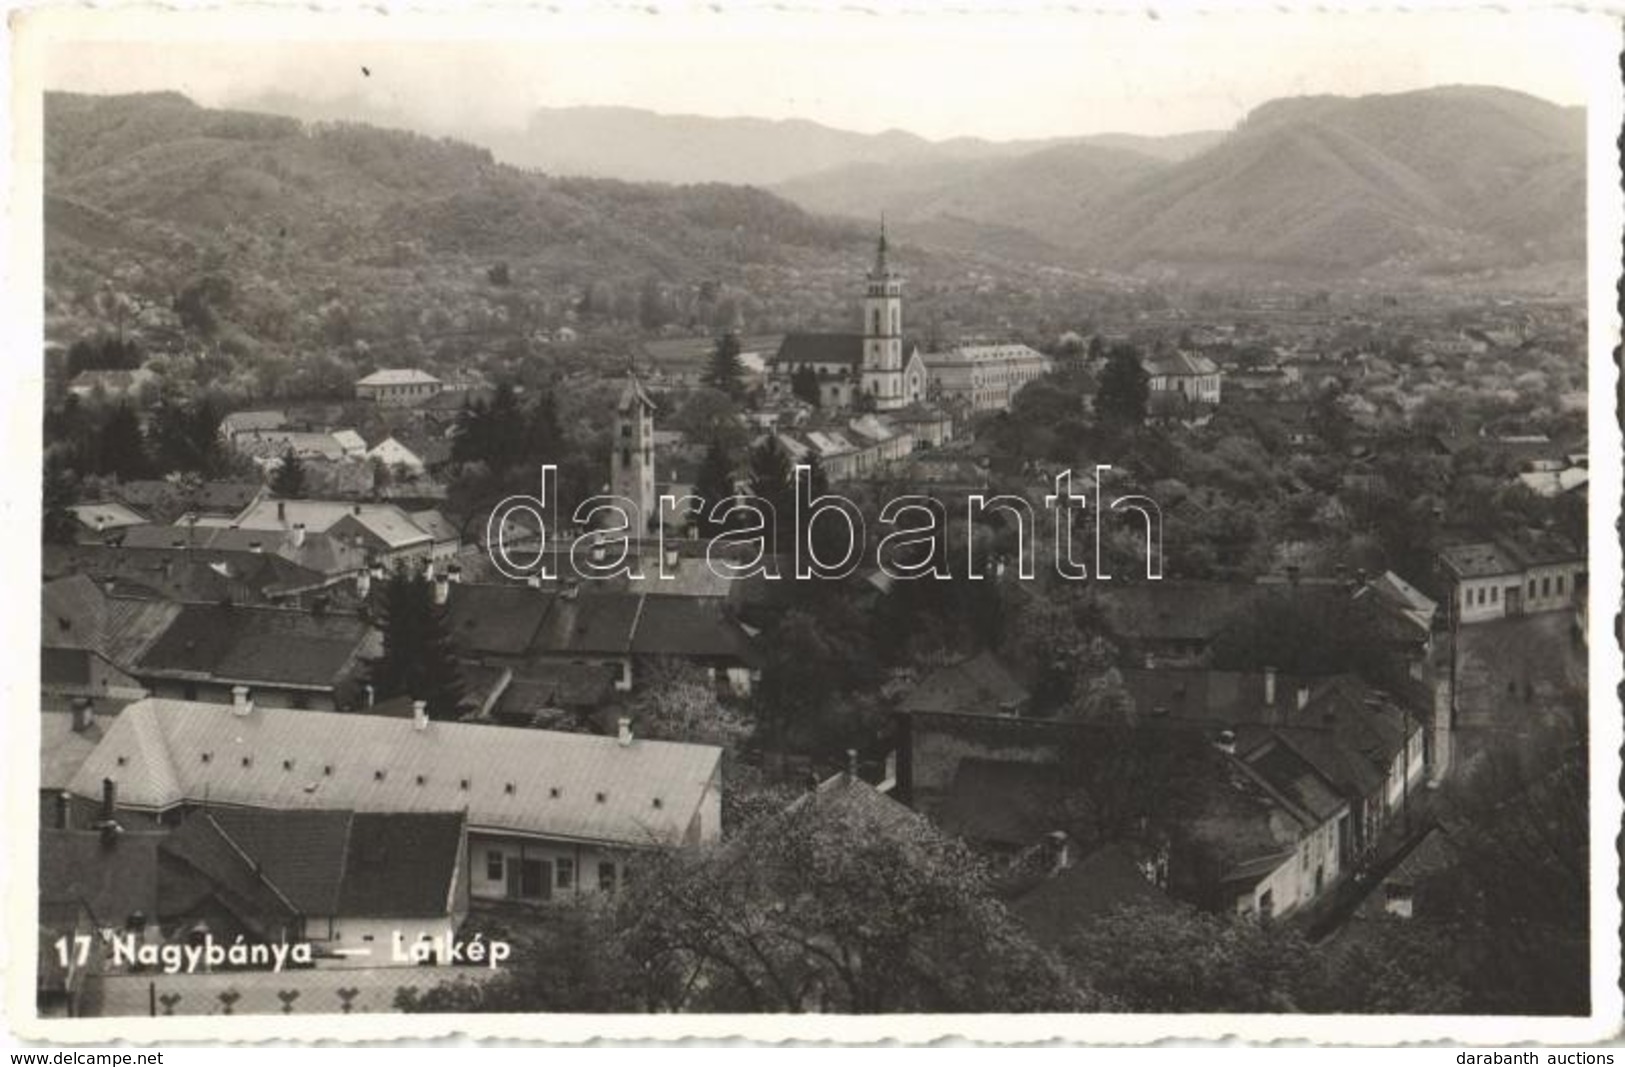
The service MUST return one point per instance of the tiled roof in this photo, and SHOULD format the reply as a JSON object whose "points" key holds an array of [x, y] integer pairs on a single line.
{"points": [[204, 863], [275, 646], [535, 782], [387, 522], [399, 377], [77, 613], [978, 685], [77, 870], [827, 348], [301, 852], [1103, 881], [108, 515], [1179, 364], [496, 619], [63, 750], [401, 864], [1481, 560], [1295, 779], [167, 500]]}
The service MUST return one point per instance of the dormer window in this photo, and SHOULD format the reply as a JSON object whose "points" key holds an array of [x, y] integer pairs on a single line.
{"points": [[602, 797], [377, 776], [287, 764], [508, 789]]}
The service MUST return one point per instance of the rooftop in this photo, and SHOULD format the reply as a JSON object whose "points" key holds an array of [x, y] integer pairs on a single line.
{"points": [[163, 753], [399, 377]]}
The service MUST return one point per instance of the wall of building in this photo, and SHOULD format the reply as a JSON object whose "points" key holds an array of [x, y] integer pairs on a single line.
{"points": [[1480, 599], [264, 696], [584, 866], [378, 936]]}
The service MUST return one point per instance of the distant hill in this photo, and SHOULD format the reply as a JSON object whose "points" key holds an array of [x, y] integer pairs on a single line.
{"points": [[1055, 193], [1441, 180], [1449, 180]]}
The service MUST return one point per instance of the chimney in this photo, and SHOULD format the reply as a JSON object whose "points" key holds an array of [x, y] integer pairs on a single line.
{"points": [[1269, 687], [1226, 742], [281, 511], [623, 730], [454, 573], [83, 714], [442, 589], [534, 581], [241, 702], [298, 538], [107, 819], [571, 589], [851, 765], [356, 510], [672, 557], [1359, 575], [256, 546], [1059, 847], [1303, 696], [420, 715], [64, 807], [369, 693]]}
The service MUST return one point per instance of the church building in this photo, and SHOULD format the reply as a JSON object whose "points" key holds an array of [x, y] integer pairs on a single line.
{"points": [[870, 370]]}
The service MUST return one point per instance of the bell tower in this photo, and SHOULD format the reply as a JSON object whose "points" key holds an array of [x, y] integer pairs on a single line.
{"points": [[883, 332]]}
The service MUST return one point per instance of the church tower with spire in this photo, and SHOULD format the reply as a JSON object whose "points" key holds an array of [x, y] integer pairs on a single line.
{"points": [[882, 378]]}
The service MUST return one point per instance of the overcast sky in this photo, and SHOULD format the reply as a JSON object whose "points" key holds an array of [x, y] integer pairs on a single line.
{"points": [[939, 77]]}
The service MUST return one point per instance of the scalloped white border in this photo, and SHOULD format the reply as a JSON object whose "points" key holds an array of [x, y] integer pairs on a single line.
{"points": [[1597, 47]]}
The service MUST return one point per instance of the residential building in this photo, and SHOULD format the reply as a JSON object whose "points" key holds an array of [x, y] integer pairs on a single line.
{"points": [[1511, 575], [97, 521], [1196, 378], [548, 814], [232, 654], [398, 388], [386, 531]]}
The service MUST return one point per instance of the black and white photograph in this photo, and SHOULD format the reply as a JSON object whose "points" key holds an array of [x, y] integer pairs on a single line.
{"points": [[645, 517]]}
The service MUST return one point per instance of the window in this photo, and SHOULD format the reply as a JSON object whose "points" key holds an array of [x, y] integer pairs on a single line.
{"points": [[1545, 587], [1560, 585], [566, 873], [606, 877], [1266, 904], [1531, 587], [1495, 594], [493, 866]]}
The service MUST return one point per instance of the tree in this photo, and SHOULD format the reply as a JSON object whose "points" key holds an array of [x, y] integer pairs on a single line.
{"points": [[418, 659], [679, 703], [845, 902], [1176, 959], [772, 480], [492, 432], [185, 435], [1124, 388], [121, 446], [804, 384], [61, 491], [713, 483], [726, 373], [289, 480]]}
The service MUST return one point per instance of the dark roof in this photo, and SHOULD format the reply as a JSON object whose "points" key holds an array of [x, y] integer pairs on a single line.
{"points": [[197, 574], [167, 501], [78, 870], [401, 864], [843, 348], [266, 645], [688, 626], [1295, 779], [202, 862], [1004, 803], [1172, 610], [495, 619], [554, 685], [300, 852], [590, 623], [977, 685], [1104, 881], [355, 864]]}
